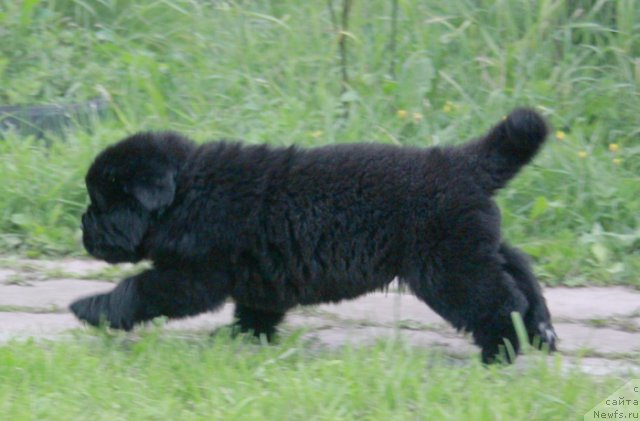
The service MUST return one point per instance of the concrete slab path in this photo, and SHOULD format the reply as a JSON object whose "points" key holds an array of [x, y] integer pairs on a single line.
{"points": [[602, 325]]}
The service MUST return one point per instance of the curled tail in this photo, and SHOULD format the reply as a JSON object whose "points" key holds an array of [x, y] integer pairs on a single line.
{"points": [[507, 147]]}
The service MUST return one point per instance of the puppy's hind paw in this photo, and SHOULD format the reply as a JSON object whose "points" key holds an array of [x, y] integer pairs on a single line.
{"points": [[542, 336], [546, 337]]}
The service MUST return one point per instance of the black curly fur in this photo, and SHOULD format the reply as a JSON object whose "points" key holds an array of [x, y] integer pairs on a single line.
{"points": [[273, 228]]}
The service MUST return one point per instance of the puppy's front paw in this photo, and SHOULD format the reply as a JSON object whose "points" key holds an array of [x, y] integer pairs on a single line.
{"points": [[97, 309], [92, 309]]}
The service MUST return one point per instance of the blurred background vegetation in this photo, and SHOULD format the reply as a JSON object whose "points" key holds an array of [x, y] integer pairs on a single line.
{"points": [[272, 71]]}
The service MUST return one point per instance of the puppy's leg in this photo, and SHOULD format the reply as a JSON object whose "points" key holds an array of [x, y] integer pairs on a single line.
{"points": [[475, 294], [537, 319], [258, 322], [153, 293]]}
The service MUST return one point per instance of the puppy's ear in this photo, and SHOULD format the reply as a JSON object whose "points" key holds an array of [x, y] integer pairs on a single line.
{"points": [[154, 193]]}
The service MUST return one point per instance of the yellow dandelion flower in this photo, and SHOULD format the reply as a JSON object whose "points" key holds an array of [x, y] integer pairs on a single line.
{"points": [[448, 107], [402, 114], [582, 154], [617, 161], [560, 135], [614, 147], [316, 134], [417, 117]]}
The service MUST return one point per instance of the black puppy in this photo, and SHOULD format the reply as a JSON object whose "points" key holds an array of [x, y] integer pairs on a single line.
{"points": [[273, 228]]}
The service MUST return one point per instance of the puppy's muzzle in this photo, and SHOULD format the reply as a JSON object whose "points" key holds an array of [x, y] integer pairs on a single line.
{"points": [[115, 236], [88, 227]]}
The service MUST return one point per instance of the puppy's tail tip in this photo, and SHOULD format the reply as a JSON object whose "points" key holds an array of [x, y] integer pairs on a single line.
{"points": [[510, 145], [524, 132]]}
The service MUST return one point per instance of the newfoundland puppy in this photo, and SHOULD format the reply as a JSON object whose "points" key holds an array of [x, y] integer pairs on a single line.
{"points": [[273, 228]]}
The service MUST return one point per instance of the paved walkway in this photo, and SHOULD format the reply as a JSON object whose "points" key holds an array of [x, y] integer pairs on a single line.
{"points": [[600, 325]]}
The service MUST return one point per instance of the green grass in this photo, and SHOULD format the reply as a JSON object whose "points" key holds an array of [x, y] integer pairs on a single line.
{"points": [[269, 72], [160, 377]]}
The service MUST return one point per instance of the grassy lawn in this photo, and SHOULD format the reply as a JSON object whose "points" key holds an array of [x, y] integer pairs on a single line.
{"points": [[270, 72], [160, 377]]}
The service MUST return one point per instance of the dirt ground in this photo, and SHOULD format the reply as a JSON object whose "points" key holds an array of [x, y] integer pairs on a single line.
{"points": [[599, 328]]}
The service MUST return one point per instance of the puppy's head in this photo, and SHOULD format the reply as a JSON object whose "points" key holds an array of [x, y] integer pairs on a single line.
{"points": [[129, 183]]}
